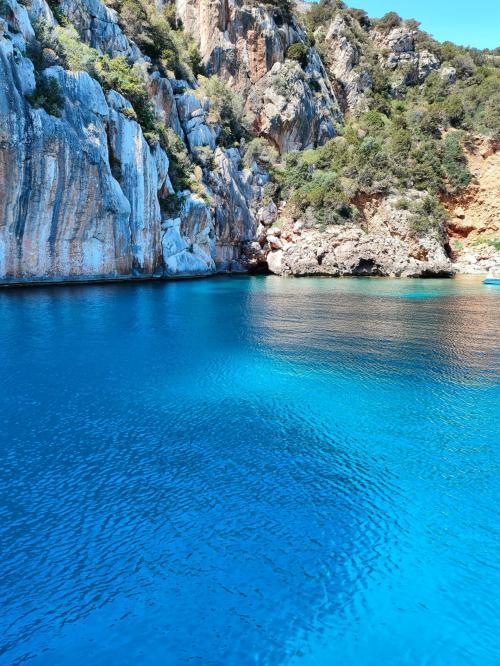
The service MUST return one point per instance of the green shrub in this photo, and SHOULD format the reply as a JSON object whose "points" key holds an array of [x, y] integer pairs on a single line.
{"points": [[261, 151], [117, 74], [284, 8], [77, 56], [321, 13], [171, 205], [454, 110], [388, 22], [402, 204], [454, 162], [46, 38], [427, 214], [226, 109], [47, 95], [490, 116], [298, 52], [373, 120], [286, 79], [180, 167]]}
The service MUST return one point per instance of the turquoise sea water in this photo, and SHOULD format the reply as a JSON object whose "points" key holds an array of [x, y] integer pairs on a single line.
{"points": [[250, 471]]}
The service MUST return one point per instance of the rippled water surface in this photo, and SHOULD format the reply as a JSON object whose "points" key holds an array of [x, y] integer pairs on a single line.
{"points": [[250, 471]]}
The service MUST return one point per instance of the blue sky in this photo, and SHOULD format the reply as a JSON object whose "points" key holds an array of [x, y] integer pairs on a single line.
{"points": [[467, 22]]}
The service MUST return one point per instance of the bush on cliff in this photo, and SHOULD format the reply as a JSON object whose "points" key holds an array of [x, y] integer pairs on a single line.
{"points": [[180, 167], [112, 73], [298, 52], [283, 8], [75, 55], [117, 74], [454, 163], [158, 34], [47, 95], [321, 13], [259, 151], [388, 22], [226, 109], [427, 214]]}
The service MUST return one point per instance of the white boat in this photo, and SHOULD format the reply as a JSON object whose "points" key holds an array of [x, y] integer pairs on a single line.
{"points": [[493, 277]]}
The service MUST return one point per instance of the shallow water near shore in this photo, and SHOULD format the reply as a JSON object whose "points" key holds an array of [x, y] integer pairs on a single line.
{"points": [[250, 471]]}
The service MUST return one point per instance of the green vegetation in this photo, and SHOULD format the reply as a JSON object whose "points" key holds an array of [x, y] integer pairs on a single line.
{"points": [[411, 138], [226, 109], [159, 35], [488, 241], [286, 79], [454, 162], [260, 151], [47, 95], [375, 154], [426, 214], [298, 52], [64, 47], [117, 74], [388, 22], [283, 8], [180, 167], [171, 205]]}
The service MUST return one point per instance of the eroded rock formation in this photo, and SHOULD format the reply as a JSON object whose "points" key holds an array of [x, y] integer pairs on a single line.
{"points": [[383, 245]]}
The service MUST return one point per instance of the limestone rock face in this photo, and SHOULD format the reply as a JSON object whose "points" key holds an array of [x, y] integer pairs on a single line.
{"points": [[188, 241], [62, 214], [237, 193], [81, 194], [245, 43], [98, 27], [192, 115], [86, 195], [239, 40], [286, 110], [410, 65], [141, 176], [163, 100], [344, 57]]}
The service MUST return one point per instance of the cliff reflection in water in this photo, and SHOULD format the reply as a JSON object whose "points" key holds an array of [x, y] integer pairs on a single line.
{"points": [[387, 326]]}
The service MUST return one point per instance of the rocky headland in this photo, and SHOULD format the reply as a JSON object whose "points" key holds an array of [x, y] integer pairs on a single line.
{"points": [[188, 138]]}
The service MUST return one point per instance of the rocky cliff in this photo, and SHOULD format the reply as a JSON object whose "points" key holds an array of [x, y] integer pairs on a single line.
{"points": [[83, 190], [142, 139], [474, 215]]}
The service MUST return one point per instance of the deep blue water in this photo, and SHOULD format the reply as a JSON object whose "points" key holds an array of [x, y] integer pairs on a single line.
{"points": [[250, 471]]}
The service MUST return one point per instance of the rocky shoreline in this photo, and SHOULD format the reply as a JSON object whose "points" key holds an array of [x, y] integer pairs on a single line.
{"points": [[87, 190]]}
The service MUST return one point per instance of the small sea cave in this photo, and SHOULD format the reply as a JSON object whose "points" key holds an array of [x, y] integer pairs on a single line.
{"points": [[261, 268], [366, 267]]}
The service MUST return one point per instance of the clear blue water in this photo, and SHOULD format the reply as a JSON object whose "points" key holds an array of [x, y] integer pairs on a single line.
{"points": [[250, 471]]}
